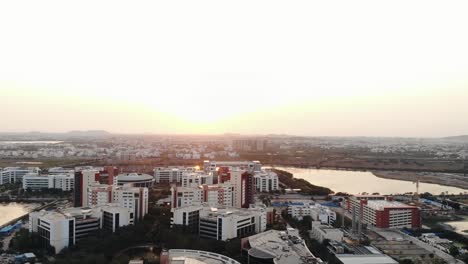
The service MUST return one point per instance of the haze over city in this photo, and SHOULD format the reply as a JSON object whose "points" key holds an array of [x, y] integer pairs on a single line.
{"points": [[362, 68]]}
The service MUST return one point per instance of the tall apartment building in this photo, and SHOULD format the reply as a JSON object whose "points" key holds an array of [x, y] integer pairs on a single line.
{"points": [[64, 228], [219, 195], [15, 174], [99, 194], [249, 144], [34, 181], [82, 179], [134, 198], [266, 181], [213, 195], [244, 187], [383, 212]]}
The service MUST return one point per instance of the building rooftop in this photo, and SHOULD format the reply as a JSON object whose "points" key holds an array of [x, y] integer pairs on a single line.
{"points": [[381, 204], [281, 246], [185, 256], [365, 259], [212, 212], [134, 177]]}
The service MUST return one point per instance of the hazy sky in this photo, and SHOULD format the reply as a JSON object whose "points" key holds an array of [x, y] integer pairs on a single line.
{"points": [[373, 68]]}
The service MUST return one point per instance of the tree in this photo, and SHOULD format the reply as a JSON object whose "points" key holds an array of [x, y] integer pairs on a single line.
{"points": [[454, 251]]}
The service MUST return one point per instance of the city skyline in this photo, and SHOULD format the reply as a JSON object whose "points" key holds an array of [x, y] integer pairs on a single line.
{"points": [[307, 69]]}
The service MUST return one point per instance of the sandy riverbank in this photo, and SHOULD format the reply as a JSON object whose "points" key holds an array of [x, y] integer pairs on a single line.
{"points": [[447, 179]]}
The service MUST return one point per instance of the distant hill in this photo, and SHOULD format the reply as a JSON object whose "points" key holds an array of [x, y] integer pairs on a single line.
{"points": [[88, 133], [458, 138]]}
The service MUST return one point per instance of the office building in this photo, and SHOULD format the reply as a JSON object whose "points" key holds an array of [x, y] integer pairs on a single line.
{"points": [[34, 181], [194, 179], [219, 195], [228, 223], [244, 187], [134, 198], [188, 216], [64, 228], [320, 232], [383, 212], [82, 179], [15, 174], [266, 181], [170, 174], [186, 196], [315, 211], [99, 194], [250, 166]]}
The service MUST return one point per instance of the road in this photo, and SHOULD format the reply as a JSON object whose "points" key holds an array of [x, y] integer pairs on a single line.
{"points": [[448, 258]]}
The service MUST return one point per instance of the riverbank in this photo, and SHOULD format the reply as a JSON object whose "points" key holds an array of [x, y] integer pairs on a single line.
{"points": [[445, 179], [25, 215], [357, 182]]}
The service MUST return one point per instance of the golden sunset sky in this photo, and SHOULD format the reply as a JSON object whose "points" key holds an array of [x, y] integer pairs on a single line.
{"points": [[330, 68]]}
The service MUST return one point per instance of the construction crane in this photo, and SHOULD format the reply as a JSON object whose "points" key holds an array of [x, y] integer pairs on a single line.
{"points": [[416, 195]]}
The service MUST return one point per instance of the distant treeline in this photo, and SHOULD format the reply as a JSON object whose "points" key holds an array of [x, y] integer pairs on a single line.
{"points": [[306, 187]]}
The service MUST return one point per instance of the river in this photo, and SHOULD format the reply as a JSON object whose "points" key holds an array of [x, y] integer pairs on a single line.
{"points": [[355, 182], [11, 211]]}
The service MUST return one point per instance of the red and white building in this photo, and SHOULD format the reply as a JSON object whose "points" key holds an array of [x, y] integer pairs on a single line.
{"points": [[99, 195], [383, 212]]}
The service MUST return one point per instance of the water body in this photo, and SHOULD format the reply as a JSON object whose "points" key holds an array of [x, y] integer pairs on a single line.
{"points": [[11, 211], [459, 226], [356, 182]]}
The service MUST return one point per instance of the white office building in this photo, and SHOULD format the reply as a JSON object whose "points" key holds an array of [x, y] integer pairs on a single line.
{"points": [[34, 181], [250, 166], [266, 181], [186, 196], [15, 174], [170, 174], [64, 228], [228, 223], [315, 211], [320, 232], [134, 198], [194, 179]]}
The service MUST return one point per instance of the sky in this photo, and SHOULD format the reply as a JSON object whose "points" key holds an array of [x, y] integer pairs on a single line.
{"points": [[315, 68]]}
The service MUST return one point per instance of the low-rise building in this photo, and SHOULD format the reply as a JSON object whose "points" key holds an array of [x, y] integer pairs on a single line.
{"points": [[34, 181], [321, 232], [250, 166], [170, 174], [15, 174], [222, 223], [383, 212], [316, 211], [64, 228], [278, 247], [228, 223]]}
